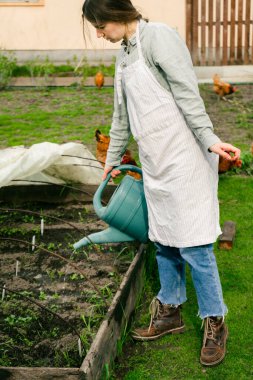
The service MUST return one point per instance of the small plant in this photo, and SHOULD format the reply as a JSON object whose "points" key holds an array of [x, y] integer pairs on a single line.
{"points": [[42, 296], [247, 165], [13, 320], [52, 273], [28, 219], [41, 69], [7, 66], [51, 247], [55, 296], [76, 277]]}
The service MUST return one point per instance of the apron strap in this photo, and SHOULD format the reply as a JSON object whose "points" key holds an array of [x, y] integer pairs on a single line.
{"points": [[139, 42], [119, 83], [121, 65]]}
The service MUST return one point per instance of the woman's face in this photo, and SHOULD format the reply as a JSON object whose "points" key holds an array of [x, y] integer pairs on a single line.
{"points": [[111, 31]]}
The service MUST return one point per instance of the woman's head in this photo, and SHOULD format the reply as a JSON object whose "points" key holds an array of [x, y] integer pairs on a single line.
{"points": [[104, 11]]}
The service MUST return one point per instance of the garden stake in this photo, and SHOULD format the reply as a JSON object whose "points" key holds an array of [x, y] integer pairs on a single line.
{"points": [[33, 242], [64, 259], [17, 268], [79, 347], [42, 307], [3, 292], [42, 227]]}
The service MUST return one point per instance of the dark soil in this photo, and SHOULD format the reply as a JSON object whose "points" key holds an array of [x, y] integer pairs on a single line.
{"points": [[49, 303]]}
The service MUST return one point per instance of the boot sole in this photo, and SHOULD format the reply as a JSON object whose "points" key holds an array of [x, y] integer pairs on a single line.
{"points": [[178, 330], [208, 364]]}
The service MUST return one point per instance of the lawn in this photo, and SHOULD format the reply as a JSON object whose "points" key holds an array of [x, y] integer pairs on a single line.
{"points": [[177, 357], [29, 116]]}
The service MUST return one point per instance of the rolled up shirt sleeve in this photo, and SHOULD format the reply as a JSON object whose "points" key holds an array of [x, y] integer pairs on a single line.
{"points": [[172, 57]]}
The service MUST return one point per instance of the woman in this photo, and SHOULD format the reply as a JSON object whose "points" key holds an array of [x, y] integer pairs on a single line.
{"points": [[157, 100]]}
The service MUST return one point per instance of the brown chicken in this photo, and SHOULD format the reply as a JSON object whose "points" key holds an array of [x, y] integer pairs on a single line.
{"points": [[101, 152], [226, 165], [221, 88], [99, 80]]}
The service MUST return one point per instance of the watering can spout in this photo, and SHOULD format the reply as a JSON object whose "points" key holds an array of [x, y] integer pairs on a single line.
{"points": [[110, 235]]}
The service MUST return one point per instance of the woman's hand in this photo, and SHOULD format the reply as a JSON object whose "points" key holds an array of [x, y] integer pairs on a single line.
{"points": [[109, 169], [225, 150]]}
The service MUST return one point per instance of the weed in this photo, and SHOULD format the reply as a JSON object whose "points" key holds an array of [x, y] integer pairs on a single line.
{"points": [[42, 296], [28, 219], [51, 246], [13, 320], [247, 165], [87, 322], [52, 273], [41, 69], [54, 333], [76, 277], [7, 65], [55, 296]]}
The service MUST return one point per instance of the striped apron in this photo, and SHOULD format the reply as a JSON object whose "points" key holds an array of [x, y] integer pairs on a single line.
{"points": [[180, 178]]}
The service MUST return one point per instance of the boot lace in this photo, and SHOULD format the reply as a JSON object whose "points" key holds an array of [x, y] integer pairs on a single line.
{"points": [[210, 330], [154, 309]]}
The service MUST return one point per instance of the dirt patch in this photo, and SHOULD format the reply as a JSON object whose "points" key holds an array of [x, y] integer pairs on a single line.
{"points": [[232, 119], [54, 299]]}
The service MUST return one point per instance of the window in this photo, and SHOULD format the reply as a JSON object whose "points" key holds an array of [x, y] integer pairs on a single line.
{"points": [[21, 2]]}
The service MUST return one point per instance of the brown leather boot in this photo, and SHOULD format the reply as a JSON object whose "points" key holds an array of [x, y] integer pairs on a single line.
{"points": [[214, 343], [165, 319]]}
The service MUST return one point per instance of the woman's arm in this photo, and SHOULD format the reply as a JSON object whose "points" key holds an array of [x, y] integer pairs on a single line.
{"points": [[119, 134], [171, 55]]}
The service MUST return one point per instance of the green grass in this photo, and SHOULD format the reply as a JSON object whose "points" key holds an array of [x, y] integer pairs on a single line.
{"points": [[57, 115], [177, 357]]}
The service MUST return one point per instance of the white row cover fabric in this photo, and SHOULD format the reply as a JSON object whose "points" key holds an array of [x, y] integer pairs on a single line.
{"points": [[45, 162]]}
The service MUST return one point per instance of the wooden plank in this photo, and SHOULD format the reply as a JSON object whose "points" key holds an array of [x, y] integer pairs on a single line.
{"points": [[239, 33], [23, 3], [252, 45], [252, 41], [232, 33], [228, 234], [217, 33], [104, 347], [38, 373], [189, 24], [210, 33], [247, 33], [203, 33], [225, 33], [57, 82], [195, 35]]}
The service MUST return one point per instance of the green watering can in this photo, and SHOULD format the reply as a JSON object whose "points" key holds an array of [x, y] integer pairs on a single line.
{"points": [[126, 212]]}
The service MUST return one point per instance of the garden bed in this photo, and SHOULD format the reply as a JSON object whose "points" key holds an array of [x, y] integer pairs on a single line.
{"points": [[57, 81], [53, 298]]}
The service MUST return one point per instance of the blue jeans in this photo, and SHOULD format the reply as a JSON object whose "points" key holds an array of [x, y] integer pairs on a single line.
{"points": [[171, 266]]}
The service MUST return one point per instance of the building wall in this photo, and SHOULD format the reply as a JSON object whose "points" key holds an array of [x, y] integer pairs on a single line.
{"points": [[58, 25]]}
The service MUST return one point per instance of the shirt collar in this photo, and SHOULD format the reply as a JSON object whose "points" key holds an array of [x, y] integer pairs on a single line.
{"points": [[132, 40]]}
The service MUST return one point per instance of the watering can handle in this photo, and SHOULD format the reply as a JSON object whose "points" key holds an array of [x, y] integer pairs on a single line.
{"points": [[98, 195]]}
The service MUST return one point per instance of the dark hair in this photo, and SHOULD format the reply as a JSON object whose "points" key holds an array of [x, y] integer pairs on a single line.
{"points": [[102, 11]]}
